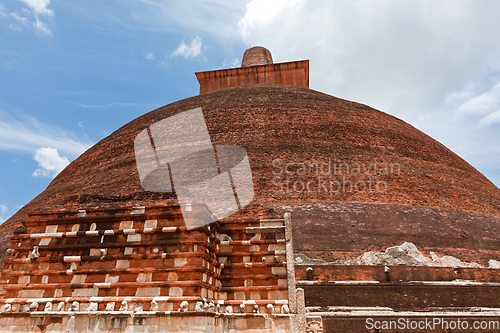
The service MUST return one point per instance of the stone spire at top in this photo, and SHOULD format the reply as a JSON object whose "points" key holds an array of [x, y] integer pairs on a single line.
{"points": [[256, 56], [257, 67]]}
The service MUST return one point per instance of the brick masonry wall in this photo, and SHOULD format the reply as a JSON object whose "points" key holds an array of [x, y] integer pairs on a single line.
{"points": [[402, 296], [288, 73], [325, 273]]}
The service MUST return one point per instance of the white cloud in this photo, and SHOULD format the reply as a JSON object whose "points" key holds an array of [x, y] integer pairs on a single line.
{"points": [[392, 55], [152, 58], [430, 63], [39, 6], [41, 27], [26, 134], [20, 19], [191, 51], [3, 211], [49, 162], [230, 64], [484, 103], [490, 119], [215, 17]]}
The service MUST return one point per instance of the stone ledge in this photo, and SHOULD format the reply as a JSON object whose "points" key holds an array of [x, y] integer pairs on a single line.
{"points": [[254, 230], [111, 285], [115, 270]]}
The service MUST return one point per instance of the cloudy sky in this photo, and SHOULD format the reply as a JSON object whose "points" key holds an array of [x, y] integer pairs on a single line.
{"points": [[72, 72]]}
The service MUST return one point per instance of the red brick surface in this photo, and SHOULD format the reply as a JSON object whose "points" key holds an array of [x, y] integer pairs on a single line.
{"points": [[300, 125], [402, 296], [288, 73], [256, 56], [396, 274]]}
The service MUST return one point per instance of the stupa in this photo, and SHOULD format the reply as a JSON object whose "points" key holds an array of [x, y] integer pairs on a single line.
{"points": [[356, 218]]}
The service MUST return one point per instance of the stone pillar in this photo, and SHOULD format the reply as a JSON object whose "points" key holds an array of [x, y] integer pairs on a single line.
{"points": [[301, 311], [290, 264]]}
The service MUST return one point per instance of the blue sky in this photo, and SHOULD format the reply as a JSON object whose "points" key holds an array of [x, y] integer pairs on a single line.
{"points": [[71, 73]]}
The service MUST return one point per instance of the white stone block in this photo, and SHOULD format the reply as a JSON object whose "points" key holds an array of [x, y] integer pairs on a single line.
{"points": [[134, 238], [129, 231], [45, 241], [85, 292], [144, 277], [72, 258], [239, 295], [138, 210], [150, 224], [179, 262], [25, 279], [254, 248], [31, 293], [148, 292], [51, 229], [278, 270], [279, 294], [102, 285], [120, 263], [276, 247], [111, 279], [44, 266], [175, 291], [172, 276], [78, 278], [255, 295], [126, 225]]}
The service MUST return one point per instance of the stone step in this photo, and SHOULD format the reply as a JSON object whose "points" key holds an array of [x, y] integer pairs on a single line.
{"points": [[395, 322], [401, 296], [253, 242], [61, 306], [268, 229], [114, 285], [121, 271], [111, 258], [251, 281], [247, 288], [400, 273]]}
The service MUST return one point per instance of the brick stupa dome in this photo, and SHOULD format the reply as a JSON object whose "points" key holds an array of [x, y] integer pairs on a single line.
{"points": [[433, 199], [332, 180]]}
